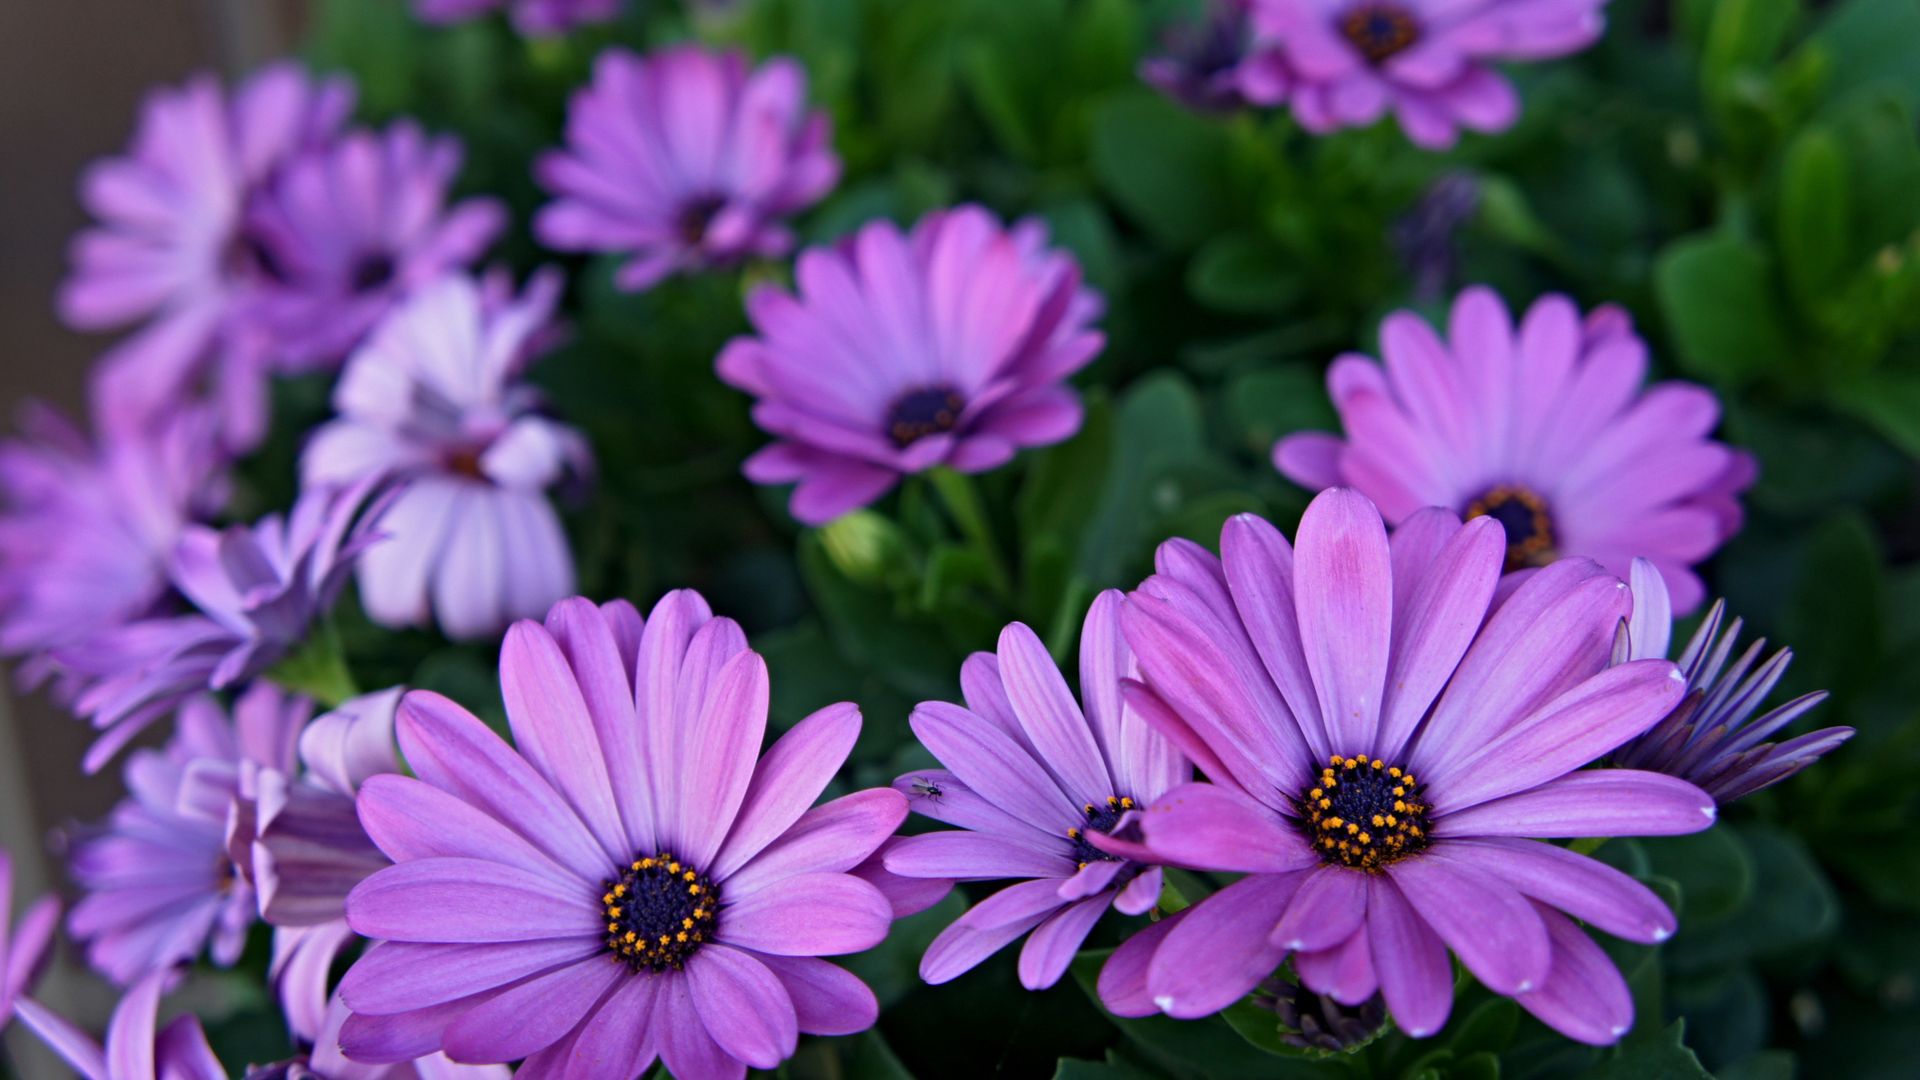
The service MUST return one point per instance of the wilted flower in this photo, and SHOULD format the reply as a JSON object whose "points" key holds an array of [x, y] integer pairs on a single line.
{"points": [[629, 883], [24, 944], [256, 588], [345, 231], [535, 18], [87, 528], [134, 1050], [1382, 762], [1426, 235], [170, 250], [1545, 428], [159, 881], [1429, 62], [684, 159], [946, 346], [433, 399], [1032, 781], [1211, 66], [1712, 738]]}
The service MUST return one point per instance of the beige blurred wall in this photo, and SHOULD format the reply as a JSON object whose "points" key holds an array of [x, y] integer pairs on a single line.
{"points": [[71, 75]]}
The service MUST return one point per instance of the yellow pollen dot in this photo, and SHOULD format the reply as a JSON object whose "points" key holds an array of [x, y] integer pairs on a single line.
{"points": [[1126, 803], [1073, 834], [612, 927], [1366, 838], [1334, 823], [1315, 793], [1394, 772], [1378, 764], [613, 913], [1379, 820], [630, 936], [1352, 828], [1326, 804], [681, 936]]}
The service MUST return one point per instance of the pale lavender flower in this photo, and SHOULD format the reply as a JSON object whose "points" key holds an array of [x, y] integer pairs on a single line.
{"points": [[137, 1048], [23, 945], [434, 399]]}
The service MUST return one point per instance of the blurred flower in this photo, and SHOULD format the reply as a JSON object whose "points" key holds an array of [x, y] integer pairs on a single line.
{"points": [[1032, 781], [432, 399], [535, 18], [346, 231], [1211, 66], [685, 159], [1544, 428], [1429, 62], [628, 884], [1318, 1022], [86, 528], [158, 878], [947, 346], [169, 249], [134, 1050], [257, 590], [23, 945], [1711, 738], [1380, 760], [325, 1061], [1425, 235]]}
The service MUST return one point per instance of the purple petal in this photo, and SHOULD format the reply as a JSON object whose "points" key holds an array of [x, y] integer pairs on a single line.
{"points": [[1052, 945], [1416, 977], [726, 744], [827, 999], [1343, 592], [743, 1005], [554, 732], [1344, 972], [1437, 624], [836, 836], [994, 765], [1485, 921], [1258, 564], [1139, 896], [1209, 827], [1123, 978], [618, 1039], [987, 927], [398, 976], [1585, 888], [969, 856], [130, 1031], [1220, 951], [1048, 714], [601, 664], [808, 915], [1329, 908], [467, 900], [531, 1015], [63, 1038], [1650, 631], [1091, 878], [685, 1046], [410, 819], [1584, 996], [1605, 802], [386, 1040], [791, 775]]}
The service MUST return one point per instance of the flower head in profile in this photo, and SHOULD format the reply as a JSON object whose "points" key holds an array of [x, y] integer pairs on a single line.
{"points": [[23, 944], [1213, 66], [169, 250], [630, 881], [1544, 427], [137, 1047], [535, 18], [434, 399], [1712, 738], [1032, 782], [1428, 62], [87, 527], [344, 232], [683, 159], [949, 345], [1385, 767], [158, 877], [256, 591]]}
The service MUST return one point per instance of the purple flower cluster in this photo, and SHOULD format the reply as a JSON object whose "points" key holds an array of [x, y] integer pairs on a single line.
{"points": [[535, 18]]}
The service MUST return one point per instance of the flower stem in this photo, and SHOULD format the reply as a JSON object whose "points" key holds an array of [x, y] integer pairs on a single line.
{"points": [[962, 499], [318, 669]]}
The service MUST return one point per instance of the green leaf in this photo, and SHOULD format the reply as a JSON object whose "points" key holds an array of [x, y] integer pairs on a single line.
{"points": [[1792, 905], [1836, 618], [1268, 404], [1712, 868], [870, 1058], [1167, 168], [318, 668], [1242, 273], [1717, 293], [1889, 400], [1815, 214], [1658, 1057], [1871, 42], [1766, 1065]]}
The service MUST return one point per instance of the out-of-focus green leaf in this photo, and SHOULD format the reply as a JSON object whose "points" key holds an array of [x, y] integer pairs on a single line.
{"points": [[1663, 1056], [1718, 295], [1712, 868], [1871, 42], [1166, 167], [1890, 401], [1791, 905], [1815, 212], [1242, 273], [1836, 619]]}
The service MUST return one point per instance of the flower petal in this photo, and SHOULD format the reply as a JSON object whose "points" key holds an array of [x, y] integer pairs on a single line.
{"points": [[1583, 887], [1063, 742], [1602, 802], [1343, 594], [808, 915], [1220, 951], [467, 900], [1052, 945], [1329, 908], [531, 1015], [827, 999], [789, 777], [1485, 921], [743, 1005], [1416, 977], [1209, 827], [967, 856], [1584, 996]]}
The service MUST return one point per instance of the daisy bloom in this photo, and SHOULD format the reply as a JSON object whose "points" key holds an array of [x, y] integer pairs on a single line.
{"points": [[256, 590], [23, 945], [627, 883], [87, 526], [1212, 66], [1544, 427], [949, 345], [158, 879], [345, 231], [534, 18], [1030, 780], [434, 399], [683, 159], [1712, 737], [1384, 767], [1429, 62], [137, 1047], [169, 252]]}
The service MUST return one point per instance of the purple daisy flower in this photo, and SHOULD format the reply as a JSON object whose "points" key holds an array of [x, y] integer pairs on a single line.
{"points": [[158, 878], [629, 883], [434, 399], [685, 158], [949, 345], [1382, 764], [343, 232], [257, 590], [1030, 780], [325, 1061], [1545, 428], [1712, 738], [137, 1047], [534, 18], [23, 945], [1213, 66], [1429, 62], [86, 529], [169, 252]]}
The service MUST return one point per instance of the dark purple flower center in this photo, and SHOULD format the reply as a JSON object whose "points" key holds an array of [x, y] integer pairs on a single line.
{"points": [[658, 912], [1362, 812], [696, 217], [372, 270], [1101, 818], [1525, 518], [919, 413], [1379, 30]]}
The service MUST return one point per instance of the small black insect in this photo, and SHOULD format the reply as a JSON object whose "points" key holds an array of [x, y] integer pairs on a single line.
{"points": [[926, 788]]}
